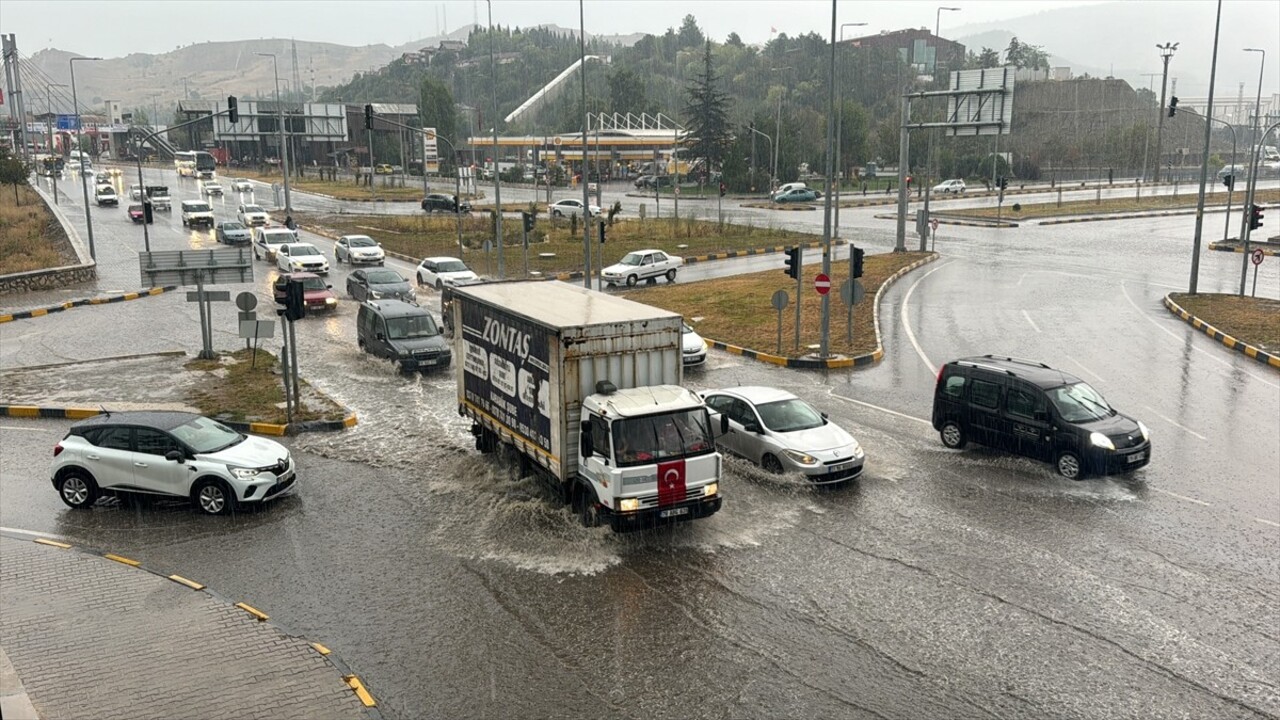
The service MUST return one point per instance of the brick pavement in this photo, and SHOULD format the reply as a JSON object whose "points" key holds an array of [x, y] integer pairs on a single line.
{"points": [[93, 638]]}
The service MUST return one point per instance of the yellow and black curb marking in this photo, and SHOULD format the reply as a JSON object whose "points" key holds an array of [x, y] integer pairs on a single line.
{"points": [[32, 411], [804, 363], [1121, 216], [1248, 350], [348, 677], [41, 312], [1235, 247]]}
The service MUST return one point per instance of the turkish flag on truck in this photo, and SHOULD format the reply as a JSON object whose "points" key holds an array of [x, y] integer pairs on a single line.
{"points": [[671, 489]]}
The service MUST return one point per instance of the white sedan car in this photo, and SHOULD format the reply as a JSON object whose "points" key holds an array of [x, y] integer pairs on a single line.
{"points": [[643, 265], [570, 206], [782, 433], [693, 348], [241, 185], [950, 186], [436, 272], [359, 250], [301, 257]]}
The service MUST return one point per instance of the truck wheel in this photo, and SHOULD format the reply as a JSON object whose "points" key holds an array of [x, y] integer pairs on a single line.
{"points": [[671, 275], [486, 441], [588, 513]]}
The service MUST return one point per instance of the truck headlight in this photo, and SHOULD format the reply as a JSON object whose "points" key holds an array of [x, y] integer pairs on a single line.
{"points": [[1102, 441], [1146, 434], [802, 458], [710, 489], [629, 504]]}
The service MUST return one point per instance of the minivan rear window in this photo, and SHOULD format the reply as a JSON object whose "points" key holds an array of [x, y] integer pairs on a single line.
{"points": [[953, 386]]}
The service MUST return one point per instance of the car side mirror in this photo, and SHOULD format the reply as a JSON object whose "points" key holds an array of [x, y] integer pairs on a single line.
{"points": [[328, 287], [175, 456], [751, 426]]}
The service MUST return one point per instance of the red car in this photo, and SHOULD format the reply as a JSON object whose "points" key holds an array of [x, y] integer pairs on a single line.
{"points": [[318, 295], [135, 213]]}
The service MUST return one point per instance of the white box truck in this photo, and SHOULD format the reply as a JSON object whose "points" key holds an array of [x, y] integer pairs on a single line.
{"points": [[585, 388]]}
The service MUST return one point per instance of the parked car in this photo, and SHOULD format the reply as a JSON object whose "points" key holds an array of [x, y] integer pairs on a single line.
{"points": [[1031, 409], [796, 195], [252, 215], [174, 454], [196, 212], [233, 233], [439, 202], [267, 241], [650, 182], [436, 272], [402, 333], [301, 257], [358, 250], [788, 187], [782, 433], [136, 213], [105, 195], [211, 189], [316, 293], [642, 265], [693, 348], [955, 186], [571, 206], [241, 185], [383, 169], [377, 284]]}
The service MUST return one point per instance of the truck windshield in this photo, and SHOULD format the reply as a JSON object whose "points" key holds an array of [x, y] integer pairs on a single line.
{"points": [[412, 326], [654, 438]]}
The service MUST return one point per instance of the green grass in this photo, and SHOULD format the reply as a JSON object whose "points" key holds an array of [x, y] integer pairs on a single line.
{"points": [[239, 389], [1113, 205], [30, 236], [1255, 321], [427, 235]]}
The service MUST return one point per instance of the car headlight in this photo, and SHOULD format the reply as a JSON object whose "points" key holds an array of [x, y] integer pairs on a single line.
{"points": [[1102, 441], [629, 504], [330, 301], [244, 473], [375, 294], [857, 449], [710, 489], [799, 457], [1146, 434]]}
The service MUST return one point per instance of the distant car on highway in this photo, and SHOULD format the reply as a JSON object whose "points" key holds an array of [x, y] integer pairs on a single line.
{"points": [[955, 186], [135, 192], [211, 188], [572, 206], [241, 185], [436, 272], [377, 284], [105, 195], [233, 233], [642, 265], [252, 215], [796, 195], [136, 213], [383, 169]]}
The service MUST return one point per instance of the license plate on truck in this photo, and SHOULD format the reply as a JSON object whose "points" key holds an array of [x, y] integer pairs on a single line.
{"points": [[673, 512]]}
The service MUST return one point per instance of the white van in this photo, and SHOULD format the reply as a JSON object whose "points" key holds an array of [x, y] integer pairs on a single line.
{"points": [[196, 212]]}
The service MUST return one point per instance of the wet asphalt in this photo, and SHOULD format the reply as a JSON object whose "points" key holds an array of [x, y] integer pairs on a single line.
{"points": [[964, 584]]}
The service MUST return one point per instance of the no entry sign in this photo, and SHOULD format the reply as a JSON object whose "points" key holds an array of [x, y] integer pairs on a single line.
{"points": [[822, 284]]}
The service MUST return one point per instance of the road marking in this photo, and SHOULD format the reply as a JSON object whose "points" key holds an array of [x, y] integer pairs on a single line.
{"points": [[1171, 422], [33, 533], [12, 427], [1033, 322], [1082, 367], [1267, 522], [1194, 346], [906, 324], [881, 409], [1182, 497]]}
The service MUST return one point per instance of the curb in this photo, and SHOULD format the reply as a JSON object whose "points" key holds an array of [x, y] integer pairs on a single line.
{"points": [[1237, 248], [73, 413], [41, 312], [998, 225], [1261, 356], [344, 670], [870, 358]]}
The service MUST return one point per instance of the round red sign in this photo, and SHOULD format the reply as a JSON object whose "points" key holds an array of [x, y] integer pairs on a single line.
{"points": [[822, 284]]}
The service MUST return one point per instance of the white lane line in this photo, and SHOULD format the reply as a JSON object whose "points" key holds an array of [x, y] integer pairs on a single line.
{"points": [[1268, 522], [27, 429], [881, 409], [1194, 346], [1082, 367], [32, 533], [1171, 422], [1182, 497], [906, 324], [1033, 322]]}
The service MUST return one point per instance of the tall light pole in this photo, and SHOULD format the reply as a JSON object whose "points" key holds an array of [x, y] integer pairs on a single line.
{"points": [[840, 135], [1146, 143], [1253, 171], [586, 122], [84, 183], [777, 133], [824, 348], [497, 183], [931, 163], [1166, 52], [937, 25], [1204, 158], [48, 95], [284, 148]]}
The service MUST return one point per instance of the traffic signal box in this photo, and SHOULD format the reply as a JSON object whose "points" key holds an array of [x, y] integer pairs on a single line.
{"points": [[794, 262], [1255, 216]]}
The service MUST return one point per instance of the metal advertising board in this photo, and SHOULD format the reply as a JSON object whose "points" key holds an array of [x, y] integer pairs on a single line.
{"points": [[192, 267], [980, 102], [67, 122], [506, 371]]}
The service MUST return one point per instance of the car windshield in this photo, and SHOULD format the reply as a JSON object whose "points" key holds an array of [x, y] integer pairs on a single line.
{"points": [[451, 266], [206, 436], [253, 209], [1080, 403], [687, 329], [412, 326], [232, 226], [384, 277], [361, 242], [641, 440], [197, 207], [314, 283], [297, 250], [789, 415], [632, 259]]}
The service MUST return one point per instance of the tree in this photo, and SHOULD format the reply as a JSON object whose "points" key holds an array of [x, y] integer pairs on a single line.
{"points": [[626, 92], [13, 172], [436, 109], [988, 58], [707, 115], [733, 40], [690, 35]]}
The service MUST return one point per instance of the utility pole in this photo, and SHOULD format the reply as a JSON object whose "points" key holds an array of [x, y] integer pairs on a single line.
{"points": [[839, 138], [1245, 230], [1146, 143], [497, 180], [1166, 52], [84, 182], [586, 125], [824, 350], [48, 90], [284, 148], [1204, 159]]}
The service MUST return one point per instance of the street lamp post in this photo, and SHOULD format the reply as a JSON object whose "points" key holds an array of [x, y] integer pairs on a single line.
{"points": [[824, 349], [586, 125], [1146, 143], [1204, 159], [840, 136], [777, 134], [931, 164], [284, 149], [1166, 52], [84, 183], [768, 139], [1253, 171], [497, 181], [48, 90]]}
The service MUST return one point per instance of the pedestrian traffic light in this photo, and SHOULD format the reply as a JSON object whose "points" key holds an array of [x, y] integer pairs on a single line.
{"points": [[1173, 106], [1255, 216], [721, 189], [295, 303], [857, 262], [368, 117], [147, 211], [1229, 181], [602, 226], [233, 109], [794, 262], [529, 220]]}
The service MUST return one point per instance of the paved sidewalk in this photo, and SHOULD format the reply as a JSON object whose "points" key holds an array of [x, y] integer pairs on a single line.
{"points": [[94, 638]]}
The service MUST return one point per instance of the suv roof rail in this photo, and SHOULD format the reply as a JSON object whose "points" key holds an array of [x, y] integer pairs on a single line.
{"points": [[1022, 361], [984, 366]]}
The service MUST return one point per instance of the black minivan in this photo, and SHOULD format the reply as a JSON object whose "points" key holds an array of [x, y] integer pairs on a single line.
{"points": [[402, 333], [1031, 409]]}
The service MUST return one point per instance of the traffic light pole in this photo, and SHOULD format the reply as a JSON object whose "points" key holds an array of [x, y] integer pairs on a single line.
{"points": [[799, 290], [457, 180], [1246, 231]]}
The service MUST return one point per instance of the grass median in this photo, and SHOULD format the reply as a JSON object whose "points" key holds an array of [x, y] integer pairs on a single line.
{"points": [[1184, 201], [1255, 321], [241, 388], [737, 310], [31, 238], [555, 245], [345, 189]]}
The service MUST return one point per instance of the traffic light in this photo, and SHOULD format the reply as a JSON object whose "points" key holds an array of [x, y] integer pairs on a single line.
{"points": [[1173, 106], [147, 213], [602, 226], [1255, 216], [1229, 181], [721, 189], [233, 109], [295, 302], [368, 117], [529, 220], [794, 262], [857, 262], [1003, 182]]}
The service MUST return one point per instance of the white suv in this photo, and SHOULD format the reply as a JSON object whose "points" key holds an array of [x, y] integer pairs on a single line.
{"points": [[301, 257], [251, 215], [173, 454], [267, 241], [196, 211]]}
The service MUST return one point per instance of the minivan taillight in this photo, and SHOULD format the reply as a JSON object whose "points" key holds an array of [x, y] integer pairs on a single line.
{"points": [[939, 380], [57, 449]]}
